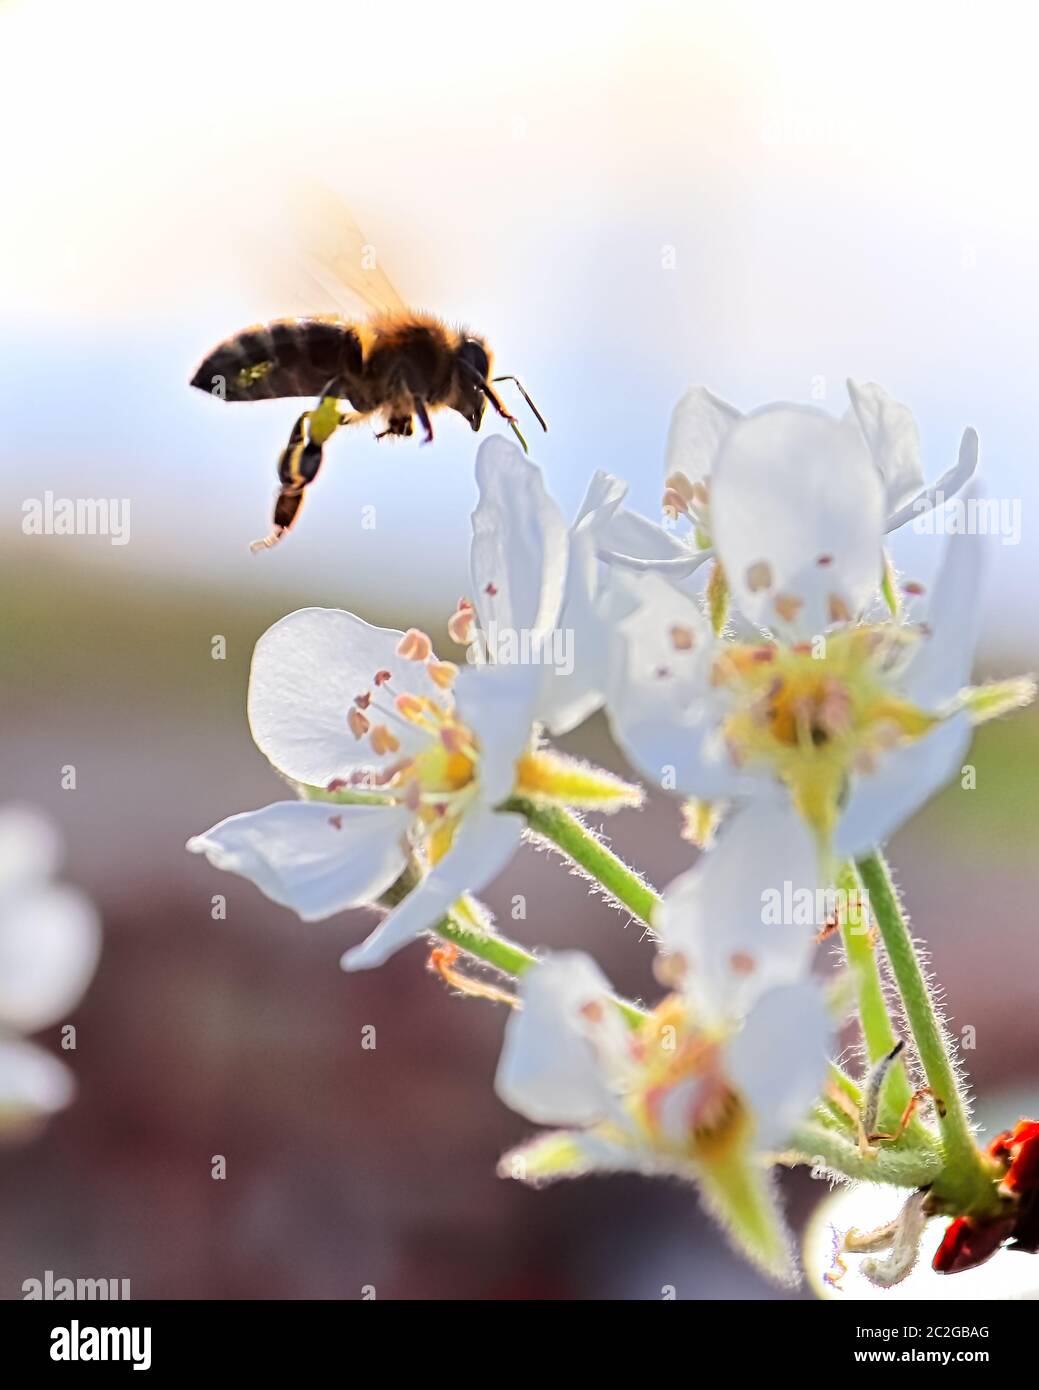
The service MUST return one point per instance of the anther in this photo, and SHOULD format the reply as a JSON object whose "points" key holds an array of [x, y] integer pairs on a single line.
{"points": [[442, 673], [359, 725], [415, 646], [383, 741], [759, 576], [787, 606]]}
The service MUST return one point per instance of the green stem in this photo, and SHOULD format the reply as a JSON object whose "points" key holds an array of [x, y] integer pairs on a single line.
{"points": [[877, 1032], [965, 1181], [814, 1145], [510, 959], [587, 851]]}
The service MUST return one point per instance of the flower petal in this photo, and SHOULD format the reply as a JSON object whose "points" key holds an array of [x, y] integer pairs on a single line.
{"points": [[30, 846], [312, 856], [49, 944], [662, 709], [797, 519], [499, 705], [893, 439], [907, 778], [551, 1069], [942, 665], [32, 1082], [306, 671], [778, 1061], [519, 550], [570, 696], [571, 1153], [699, 424], [717, 917], [484, 843], [948, 485]]}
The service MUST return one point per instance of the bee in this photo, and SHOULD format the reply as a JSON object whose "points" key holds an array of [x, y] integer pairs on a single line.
{"points": [[395, 362]]}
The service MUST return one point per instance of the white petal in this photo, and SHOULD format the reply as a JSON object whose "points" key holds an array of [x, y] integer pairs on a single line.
{"points": [[662, 709], [699, 424], [306, 671], [49, 944], [602, 497], [942, 665], [550, 1069], [483, 844], [948, 485], [32, 1082], [907, 778], [569, 696], [30, 846], [727, 915], [797, 518], [893, 439], [499, 704], [519, 549], [779, 1059], [312, 856]]}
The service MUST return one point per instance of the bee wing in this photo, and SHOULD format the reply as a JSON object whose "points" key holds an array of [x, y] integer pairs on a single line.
{"points": [[317, 259]]}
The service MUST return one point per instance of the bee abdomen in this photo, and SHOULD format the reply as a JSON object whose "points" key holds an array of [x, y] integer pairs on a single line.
{"points": [[286, 357]]}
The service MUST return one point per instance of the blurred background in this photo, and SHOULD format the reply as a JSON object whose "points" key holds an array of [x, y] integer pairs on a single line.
{"points": [[626, 199]]}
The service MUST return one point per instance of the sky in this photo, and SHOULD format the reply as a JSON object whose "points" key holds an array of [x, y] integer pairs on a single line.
{"points": [[625, 199]]}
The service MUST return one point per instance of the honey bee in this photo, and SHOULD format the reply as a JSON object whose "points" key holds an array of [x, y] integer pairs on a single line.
{"points": [[395, 362]]}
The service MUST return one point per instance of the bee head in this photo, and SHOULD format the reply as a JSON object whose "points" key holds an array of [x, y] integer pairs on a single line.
{"points": [[472, 372]]}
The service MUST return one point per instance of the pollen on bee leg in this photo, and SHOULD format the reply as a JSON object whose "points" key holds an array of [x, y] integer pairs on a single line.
{"points": [[415, 646], [359, 725]]}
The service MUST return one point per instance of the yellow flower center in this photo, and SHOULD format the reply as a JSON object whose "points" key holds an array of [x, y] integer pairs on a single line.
{"points": [[817, 712], [684, 1103]]}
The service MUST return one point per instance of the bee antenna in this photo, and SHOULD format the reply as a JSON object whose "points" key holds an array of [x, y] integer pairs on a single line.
{"points": [[523, 392]]}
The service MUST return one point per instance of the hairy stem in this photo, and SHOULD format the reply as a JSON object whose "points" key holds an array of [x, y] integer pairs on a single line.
{"points": [[506, 956], [877, 1032], [965, 1181], [583, 848]]}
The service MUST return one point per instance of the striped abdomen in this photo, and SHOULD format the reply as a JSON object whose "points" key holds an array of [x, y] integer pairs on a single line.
{"points": [[286, 357]]}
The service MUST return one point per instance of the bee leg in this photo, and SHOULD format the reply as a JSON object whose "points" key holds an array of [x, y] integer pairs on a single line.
{"points": [[506, 415], [297, 468], [424, 420], [402, 425]]}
